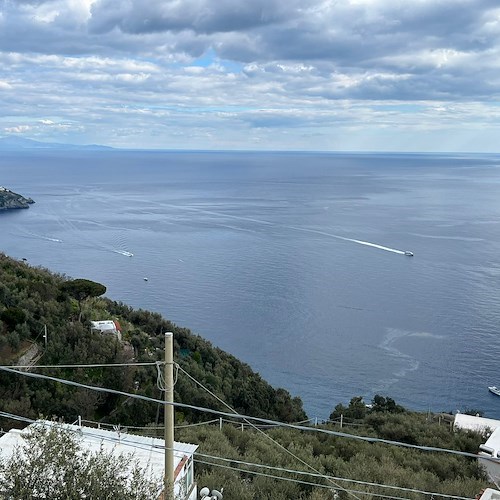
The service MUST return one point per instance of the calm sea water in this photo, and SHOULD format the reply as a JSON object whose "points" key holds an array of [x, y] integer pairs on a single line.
{"points": [[291, 262]]}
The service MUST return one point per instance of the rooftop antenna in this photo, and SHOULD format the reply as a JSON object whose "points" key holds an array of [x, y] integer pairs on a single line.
{"points": [[206, 494]]}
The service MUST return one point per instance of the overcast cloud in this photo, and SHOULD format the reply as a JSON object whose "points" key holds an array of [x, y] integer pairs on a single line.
{"points": [[420, 75]]}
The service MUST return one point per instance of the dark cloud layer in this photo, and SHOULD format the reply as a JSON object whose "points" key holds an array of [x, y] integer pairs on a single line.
{"points": [[229, 60], [199, 16], [347, 34]]}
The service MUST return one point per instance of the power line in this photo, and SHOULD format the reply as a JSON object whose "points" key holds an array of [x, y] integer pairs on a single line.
{"points": [[286, 450], [291, 471], [152, 428], [153, 448], [102, 365], [269, 475], [246, 417], [160, 449], [352, 492], [16, 417], [195, 425], [318, 474]]}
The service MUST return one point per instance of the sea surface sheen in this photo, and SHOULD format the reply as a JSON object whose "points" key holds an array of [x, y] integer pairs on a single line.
{"points": [[293, 262]]}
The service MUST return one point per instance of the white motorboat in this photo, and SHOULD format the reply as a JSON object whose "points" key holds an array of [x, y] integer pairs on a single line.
{"points": [[494, 389]]}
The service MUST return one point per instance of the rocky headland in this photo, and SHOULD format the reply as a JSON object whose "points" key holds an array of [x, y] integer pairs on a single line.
{"points": [[10, 200]]}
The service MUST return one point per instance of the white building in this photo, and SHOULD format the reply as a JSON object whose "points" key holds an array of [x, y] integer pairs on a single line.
{"points": [[491, 449], [490, 494], [476, 424], [148, 451], [107, 326]]}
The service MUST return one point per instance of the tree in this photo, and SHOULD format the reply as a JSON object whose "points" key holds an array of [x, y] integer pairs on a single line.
{"points": [[51, 463], [81, 289], [356, 409], [13, 316], [381, 404]]}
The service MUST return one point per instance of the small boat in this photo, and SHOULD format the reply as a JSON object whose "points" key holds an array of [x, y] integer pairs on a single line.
{"points": [[408, 253], [494, 389], [145, 279]]}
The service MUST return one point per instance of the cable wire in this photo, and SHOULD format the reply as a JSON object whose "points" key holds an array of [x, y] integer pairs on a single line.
{"points": [[351, 492], [102, 365], [356, 481], [286, 450], [246, 417], [160, 377], [160, 449], [151, 427]]}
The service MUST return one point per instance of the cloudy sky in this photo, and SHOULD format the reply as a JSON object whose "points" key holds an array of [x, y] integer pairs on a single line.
{"points": [[355, 75]]}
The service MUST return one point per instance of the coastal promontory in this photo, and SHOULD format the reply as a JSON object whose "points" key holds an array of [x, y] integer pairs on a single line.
{"points": [[10, 200]]}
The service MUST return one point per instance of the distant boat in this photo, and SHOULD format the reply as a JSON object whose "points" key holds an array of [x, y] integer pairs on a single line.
{"points": [[494, 389], [145, 279], [408, 253]]}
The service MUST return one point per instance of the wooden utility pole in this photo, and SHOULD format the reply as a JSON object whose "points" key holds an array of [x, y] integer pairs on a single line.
{"points": [[169, 417]]}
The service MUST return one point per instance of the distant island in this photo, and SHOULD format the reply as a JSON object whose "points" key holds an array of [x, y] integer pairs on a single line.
{"points": [[21, 143], [10, 200]]}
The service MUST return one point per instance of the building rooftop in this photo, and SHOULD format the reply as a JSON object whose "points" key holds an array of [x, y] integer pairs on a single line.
{"points": [[148, 451], [490, 494], [475, 423]]}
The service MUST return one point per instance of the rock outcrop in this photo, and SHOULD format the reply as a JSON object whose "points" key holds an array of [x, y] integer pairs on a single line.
{"points": [[10, 200]]}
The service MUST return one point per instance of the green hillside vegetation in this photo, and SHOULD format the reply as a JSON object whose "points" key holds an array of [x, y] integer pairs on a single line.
{"points": [[340, 457], [32, 298]]}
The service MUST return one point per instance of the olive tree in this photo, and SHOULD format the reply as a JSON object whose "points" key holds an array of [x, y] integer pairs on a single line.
{"points": [[356, 409], [52, 463]]}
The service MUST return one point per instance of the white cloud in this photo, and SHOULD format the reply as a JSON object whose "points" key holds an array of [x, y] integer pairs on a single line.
{"points": [[217, 72], [19, 129]]}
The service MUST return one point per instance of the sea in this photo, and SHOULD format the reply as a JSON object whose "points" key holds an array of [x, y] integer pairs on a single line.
{"points": [[292, 262]]}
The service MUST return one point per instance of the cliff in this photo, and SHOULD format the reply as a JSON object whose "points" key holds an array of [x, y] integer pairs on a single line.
{"points": [[10, 200]]}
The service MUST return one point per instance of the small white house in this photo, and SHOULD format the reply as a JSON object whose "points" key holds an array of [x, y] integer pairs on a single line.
{"points": [[148, 451], [490, 494], [473, 423], [491, 450], [107, 326]]}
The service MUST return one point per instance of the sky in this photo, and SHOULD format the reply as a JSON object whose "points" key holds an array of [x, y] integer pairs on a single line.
{"points": [[335, 75]]}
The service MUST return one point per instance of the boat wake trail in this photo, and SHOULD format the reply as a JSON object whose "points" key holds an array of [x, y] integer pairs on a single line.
{"points": [[405, 362], [393, 335], [124, 252], [78, 227], [56, 240], [344, 238], [374, 245], [29, 234], [294, 228]]}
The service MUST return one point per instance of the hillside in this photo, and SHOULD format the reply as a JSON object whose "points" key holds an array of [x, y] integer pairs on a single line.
{"points": [[32, 299], [250, 462]]}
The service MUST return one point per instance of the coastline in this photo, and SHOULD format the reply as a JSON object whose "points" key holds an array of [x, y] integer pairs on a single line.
{"points": [[13, 201]]}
